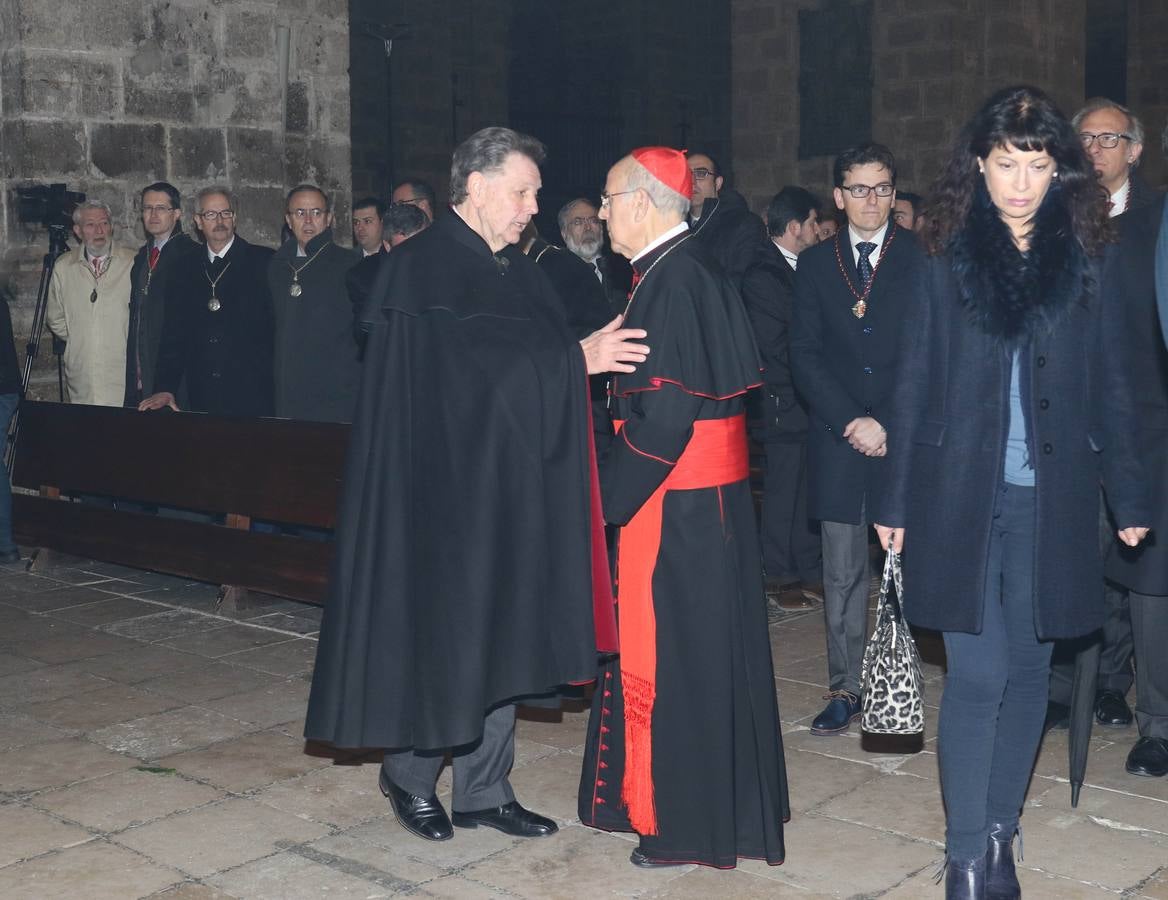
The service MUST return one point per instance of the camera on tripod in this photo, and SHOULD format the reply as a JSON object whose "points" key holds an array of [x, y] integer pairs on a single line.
{"points": [[48, 205]]}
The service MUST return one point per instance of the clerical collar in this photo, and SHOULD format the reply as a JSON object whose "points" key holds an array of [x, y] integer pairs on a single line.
{"points": [[666, 237], [791, 258], [1119, 199], [877, 239], [212, 256]]}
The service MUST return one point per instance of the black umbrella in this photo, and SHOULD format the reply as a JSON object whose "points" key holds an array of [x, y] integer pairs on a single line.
{"points": [[1082, 712]]}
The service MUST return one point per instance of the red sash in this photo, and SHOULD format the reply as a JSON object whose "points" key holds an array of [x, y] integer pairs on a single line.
{"points": [[715, 455]]}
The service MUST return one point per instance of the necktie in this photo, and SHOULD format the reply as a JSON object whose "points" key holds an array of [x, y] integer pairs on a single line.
{"points": [[865, 265], [97, 267], [154, 254]]}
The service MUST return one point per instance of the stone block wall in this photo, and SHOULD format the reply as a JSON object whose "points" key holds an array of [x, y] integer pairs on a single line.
{"points": [[121, 93], [1147, 76]]}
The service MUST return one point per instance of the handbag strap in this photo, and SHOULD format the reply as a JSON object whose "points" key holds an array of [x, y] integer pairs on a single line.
{"points": [[893, 578]]}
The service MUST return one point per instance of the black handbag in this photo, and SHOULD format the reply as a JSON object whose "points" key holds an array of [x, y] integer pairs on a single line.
{"points": [[892, 684]]}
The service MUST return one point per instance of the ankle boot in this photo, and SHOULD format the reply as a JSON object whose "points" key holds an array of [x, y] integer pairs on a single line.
{"points": [[1001, 879], [965, 879]]}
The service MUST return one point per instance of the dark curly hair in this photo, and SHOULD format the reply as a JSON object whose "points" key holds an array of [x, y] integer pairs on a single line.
{"points": [[1026, 118]]}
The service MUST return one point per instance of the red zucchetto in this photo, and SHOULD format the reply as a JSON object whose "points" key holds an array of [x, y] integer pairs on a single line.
{"points": [[668, 166]]}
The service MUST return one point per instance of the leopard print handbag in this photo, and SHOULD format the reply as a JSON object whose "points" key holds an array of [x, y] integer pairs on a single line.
{"points": [[891, 676]]}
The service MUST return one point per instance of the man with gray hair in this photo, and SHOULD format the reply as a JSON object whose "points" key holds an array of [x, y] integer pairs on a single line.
{"points": [[683, 742], [89, 309], [583, 234], [470, 569], [1113, 138]]}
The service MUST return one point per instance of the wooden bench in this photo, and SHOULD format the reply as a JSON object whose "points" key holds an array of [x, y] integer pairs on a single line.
{"points": [[237, 470]]}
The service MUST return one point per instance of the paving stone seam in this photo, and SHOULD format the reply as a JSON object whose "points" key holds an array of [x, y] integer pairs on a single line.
{"points": [[1058, 779]]}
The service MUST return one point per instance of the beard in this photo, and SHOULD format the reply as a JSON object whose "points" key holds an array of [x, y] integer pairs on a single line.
{"points": [[588, 248]]}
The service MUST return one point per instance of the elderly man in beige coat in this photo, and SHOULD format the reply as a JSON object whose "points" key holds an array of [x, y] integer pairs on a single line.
{"points": [[89, 309]]}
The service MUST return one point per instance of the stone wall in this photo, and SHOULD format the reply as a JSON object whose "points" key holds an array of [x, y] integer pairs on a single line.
{"points": [[1147, 76], [134, 91]]}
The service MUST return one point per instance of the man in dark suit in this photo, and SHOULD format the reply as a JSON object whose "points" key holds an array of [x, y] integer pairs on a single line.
{"points": [[720, 218], [850, 293], [152, 279], [790, 541], [583, 234]]}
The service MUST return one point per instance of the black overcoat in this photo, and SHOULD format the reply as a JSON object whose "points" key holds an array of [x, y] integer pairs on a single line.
{"points": [[149, 301], [222, 356], [731, 232], [946, 448], [463, 568], [844, 366], [1144, 569]]}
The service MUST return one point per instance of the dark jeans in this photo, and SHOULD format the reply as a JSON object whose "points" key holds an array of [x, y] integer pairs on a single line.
{"points": [[995, 690], [8, 404]]}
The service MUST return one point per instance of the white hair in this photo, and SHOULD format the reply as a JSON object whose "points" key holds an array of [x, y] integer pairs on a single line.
{"points": [[666, 199], [91, 204]]}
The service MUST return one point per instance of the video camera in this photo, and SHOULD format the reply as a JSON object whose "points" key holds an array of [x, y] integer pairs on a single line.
{"points": [[49, 205]]}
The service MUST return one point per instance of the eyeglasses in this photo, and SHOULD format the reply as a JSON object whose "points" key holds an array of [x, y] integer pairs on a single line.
{"points": [[313, 213], [211, 215], [581, 221], [702, 173], [165, 209], [1106, 139], [860, 191], [606, 199]]}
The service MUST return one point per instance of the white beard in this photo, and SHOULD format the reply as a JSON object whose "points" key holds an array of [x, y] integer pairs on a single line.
{"points": [[586, 250]]}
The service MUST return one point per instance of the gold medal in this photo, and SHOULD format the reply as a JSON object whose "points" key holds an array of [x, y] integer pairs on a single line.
{"points": [[295, 290], [213, 304], [859, 308]]}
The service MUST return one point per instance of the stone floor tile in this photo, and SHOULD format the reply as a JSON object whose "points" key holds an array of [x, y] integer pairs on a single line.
{"points": [[12, 663], [529, 751], [73, 576], [47, 683], [799, 702], [17, 582], [549, 786], [564, 729], [456, 887], [210, 681], [142, 663], [126, 798], [217, 837], [469, 845], [823, 856], [1156, 888], [813, 779], [105, 612], [28, 832], [389, 870], [17, 730], [1105, 768], [18, 633], [703, 883], [194, 596], [577, 862], [809, 670], [216, 642], [339, 795], [248, 762], [192, 890], [852, 744], [1040, 886], [287, 658], [68, 648], [163, 734], [94, 871], [1113, 809], [901, 804], [57, 763], [163, 626], [290, 876], [97, 709], [59, 597], [266, 706], [297, 624]]}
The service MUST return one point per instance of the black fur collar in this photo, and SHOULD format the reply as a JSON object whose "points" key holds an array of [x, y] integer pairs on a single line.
{"points": [[1013, 296]]}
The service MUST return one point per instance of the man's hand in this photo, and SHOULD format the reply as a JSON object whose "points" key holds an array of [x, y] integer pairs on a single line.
{"points": [[158, 401], [894, 536], [611, 349], [1133, 535], [866, 435]]}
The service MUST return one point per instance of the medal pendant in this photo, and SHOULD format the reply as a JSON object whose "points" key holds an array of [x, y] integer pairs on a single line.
{"points": [[859, 309], [213, 304], [295, 290], [93, 296]]}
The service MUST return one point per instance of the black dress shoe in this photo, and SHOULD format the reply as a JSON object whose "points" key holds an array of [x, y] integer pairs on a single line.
{"points": [[639, 858], [423, 816], [1148, 757], [965, 880], [1112, 710], [511, 818], [1001, 880], [842, 710]]}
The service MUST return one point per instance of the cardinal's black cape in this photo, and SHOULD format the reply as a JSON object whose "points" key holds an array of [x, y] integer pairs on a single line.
{"points": [[462, 575]]}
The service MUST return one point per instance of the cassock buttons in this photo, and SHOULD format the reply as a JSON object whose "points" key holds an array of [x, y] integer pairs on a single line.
{"points": [[1041, 361], [867, 370], [1047, 449], [1044, 403], [867, 329]]}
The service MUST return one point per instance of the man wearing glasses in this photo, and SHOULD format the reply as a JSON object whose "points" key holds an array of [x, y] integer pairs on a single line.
{"points": [[317, 356], [152, 279], [851, 293], [417, 193], [1114, 140], [217, 339], [721, 220], [583, 234]]}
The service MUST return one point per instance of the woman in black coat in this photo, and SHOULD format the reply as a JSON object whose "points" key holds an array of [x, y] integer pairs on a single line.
{"points": [[1012, 406]]}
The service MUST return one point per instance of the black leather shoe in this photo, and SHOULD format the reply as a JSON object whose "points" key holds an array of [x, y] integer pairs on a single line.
{"points": [[965, 880], [1001, 880], [639, 858], [1112, 710], [1058, 717], [843, 709], [511, 818], [423, 816], [1148, 757]]}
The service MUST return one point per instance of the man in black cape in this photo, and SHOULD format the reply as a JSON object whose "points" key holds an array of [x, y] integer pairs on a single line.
{"points": [[470, 567], [683, 742]]}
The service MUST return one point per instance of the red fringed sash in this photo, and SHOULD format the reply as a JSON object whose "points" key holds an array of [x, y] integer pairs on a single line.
{"points": [[715, 455]]}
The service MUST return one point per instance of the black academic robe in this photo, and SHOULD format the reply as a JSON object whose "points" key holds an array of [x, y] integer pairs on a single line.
{"points": [[718, 775], [317, 356], [463, 570], [222, 356]]}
